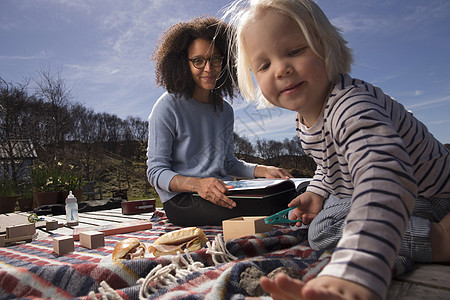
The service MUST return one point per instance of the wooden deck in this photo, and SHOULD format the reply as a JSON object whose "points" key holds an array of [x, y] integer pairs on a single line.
{"points": [[427, 281]]}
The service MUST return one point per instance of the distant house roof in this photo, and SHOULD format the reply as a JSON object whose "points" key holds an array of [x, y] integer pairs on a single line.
{"points": [[21, 149]]}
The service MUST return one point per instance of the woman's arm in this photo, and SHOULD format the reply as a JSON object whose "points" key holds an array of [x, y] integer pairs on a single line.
{"points": [[211, 189], [271, 172], [162, 123]]}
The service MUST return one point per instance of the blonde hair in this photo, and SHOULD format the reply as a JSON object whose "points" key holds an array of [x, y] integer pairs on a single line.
{"points": [[322, 37]]}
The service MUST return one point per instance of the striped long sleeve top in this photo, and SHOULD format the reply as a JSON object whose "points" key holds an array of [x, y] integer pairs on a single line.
{"points": [[367, 146]]}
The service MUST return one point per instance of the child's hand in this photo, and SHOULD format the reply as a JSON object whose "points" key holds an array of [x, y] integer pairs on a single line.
{"points": [[308, 206], [323, 287], [282, 287]]}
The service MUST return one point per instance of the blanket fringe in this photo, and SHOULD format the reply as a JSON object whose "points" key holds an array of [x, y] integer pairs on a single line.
{"points": [[106, 293], [162, 277], [219, 252]]}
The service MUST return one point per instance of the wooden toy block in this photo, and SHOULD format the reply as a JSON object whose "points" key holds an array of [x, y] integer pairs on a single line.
{"points": [[243, 226], [20, 230], [92, 239], [117, 228], [63, 244], [51, 225], [5, 241], [18, 233]]}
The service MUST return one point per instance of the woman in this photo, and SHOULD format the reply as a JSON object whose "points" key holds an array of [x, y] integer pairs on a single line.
{"points": [[190, 146]]}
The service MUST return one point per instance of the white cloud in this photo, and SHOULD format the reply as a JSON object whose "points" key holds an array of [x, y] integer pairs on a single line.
{"points": [[18, 57], [354, 21], [439, 122], [429, 103], [429, 12], [389, 18], [267, 123]]}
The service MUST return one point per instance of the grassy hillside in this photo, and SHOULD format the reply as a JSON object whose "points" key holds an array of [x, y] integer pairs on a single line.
{"points": [[119, 166]]}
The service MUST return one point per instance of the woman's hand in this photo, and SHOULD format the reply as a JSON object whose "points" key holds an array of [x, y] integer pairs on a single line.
{"points": [[271, 172], [308, 206], [211, 189]]}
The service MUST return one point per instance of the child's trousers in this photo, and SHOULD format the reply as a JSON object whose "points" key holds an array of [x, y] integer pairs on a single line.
{"points": [[326, 229]]}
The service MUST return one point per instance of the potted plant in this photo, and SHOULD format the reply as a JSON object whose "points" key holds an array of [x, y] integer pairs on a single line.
{"points": [[8, 196], [53, 183], [26, 201], [72, 182], [47, 183]]}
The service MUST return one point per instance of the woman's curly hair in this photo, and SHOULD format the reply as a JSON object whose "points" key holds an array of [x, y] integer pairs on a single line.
{"points": [[171, 53]]}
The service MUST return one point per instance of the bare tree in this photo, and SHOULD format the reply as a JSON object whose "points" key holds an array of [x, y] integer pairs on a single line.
{"points": [[138, 128], [84, 124], [52, 89], [262, 148], [294, 148], [276, 150], [12, 101], [242, 146], [270, 150]]}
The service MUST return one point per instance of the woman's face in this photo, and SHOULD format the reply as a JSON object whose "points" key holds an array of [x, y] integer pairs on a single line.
{"points": [[205, 78]]}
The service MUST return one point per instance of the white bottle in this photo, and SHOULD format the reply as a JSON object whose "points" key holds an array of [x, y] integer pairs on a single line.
{"points": [[71, 210]]}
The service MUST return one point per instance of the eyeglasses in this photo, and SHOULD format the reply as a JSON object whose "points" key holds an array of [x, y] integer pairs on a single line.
{"points": [[200, 63]]}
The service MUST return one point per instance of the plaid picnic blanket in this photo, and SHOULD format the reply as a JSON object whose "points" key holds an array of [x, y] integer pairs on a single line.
{"points": [[33, 270]]}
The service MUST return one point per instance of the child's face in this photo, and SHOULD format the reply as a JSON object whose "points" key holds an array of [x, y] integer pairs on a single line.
{"points": [[289, 74]]}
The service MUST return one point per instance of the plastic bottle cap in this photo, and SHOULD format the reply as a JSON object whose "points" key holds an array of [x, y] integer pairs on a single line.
{"points": [[71, 198]]}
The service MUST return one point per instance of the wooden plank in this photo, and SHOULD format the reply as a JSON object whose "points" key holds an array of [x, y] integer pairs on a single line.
{"points": [[112, 211], [117, 217], [111, 218], [119, 214], [431, 275], [81, 221], [116, 228], [410, 291], [90, 219], [5, 241], [26, 229], [62, 231], [16, 219]]}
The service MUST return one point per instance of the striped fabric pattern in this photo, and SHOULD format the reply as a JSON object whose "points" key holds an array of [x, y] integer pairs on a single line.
{"points": [[32, 270], [369, 147]]}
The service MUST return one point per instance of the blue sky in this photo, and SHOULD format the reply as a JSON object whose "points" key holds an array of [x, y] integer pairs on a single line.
{"points": [[102, 49]]}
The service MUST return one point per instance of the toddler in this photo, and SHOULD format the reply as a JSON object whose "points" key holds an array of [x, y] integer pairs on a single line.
{"points": [[382, 181]]}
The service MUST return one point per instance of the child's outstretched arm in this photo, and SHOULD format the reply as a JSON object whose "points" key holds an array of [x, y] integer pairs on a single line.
{"points": [[283, 287], [271, 172], [308, 206]]}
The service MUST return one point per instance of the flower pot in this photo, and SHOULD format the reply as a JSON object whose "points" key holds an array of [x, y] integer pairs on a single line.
{"points": [[78, 194], [26, 204], [62, 195], [8, 204], [45, 198]]}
